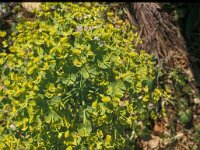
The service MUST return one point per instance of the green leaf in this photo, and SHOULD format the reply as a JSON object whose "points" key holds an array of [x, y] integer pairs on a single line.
{"points": [[129, 79], [102, 108], [150, 84], [93, 72], [84, 72], [185, 116], [84, 129], [65, 80], [48, 117], [55, 100], [102, 65], [40, 51], [105, 63], [69, 80], [55, 116], [30, 70]]}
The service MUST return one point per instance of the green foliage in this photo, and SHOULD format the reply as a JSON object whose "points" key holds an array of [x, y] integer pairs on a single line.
{"points": [[185, 116], [73, 80]]}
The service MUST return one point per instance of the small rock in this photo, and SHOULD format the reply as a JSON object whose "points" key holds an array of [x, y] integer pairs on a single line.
{"points": [[179, 135], [30, 6], [195, 117], [165, 142], [196, 100], [154, 143], [12, 126]]}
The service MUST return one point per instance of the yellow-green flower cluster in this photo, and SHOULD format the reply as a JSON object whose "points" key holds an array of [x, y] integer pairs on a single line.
{"points": [[73, 80]]}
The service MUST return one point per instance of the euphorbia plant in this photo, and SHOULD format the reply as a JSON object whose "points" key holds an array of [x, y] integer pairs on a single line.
{"points": [[73, 80]]}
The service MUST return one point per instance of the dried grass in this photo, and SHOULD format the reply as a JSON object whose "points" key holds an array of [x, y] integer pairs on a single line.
{"points": [[157, 29]]}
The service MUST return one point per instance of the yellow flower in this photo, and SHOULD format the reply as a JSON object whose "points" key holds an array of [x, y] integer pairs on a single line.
{"points": [[145, 98], [146, 89], [2, 33], [108, 139], [94, 104], [106, 99], [6, 82], [76, 51], [77, 63], [110, 14], [1, 61]]}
